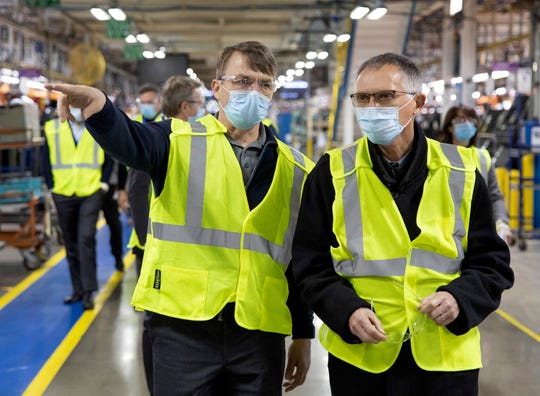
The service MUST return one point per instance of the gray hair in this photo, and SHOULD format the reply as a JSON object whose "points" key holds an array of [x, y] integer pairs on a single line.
{"points": [[412, 80], [177, 89]]}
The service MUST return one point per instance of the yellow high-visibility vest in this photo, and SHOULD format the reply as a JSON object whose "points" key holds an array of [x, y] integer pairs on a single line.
{"points": [[386, 268], [76, 168], [205, 247]]}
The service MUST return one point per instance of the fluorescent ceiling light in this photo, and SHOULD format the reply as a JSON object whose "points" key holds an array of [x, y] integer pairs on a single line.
{"points": [[159, 54], [329, 38], [343, 38], [100, 14], [148, 54], [359, 12], [143, 38], [299, 72], [322, 55], [311, 55], [310, 65], [300, 64], [480, 77], [117, 13], [131, 39], [377, 13], [455, 6], [496, 74]]}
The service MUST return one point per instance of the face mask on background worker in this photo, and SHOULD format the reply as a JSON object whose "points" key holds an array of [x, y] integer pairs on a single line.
{"points": [[148, 110], [464, 131], [200, 113], [77, 114]]}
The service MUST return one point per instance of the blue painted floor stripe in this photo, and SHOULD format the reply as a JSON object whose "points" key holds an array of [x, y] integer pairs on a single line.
{"points": [[35, 323]]}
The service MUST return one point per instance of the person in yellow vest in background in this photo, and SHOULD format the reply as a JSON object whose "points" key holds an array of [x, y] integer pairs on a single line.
{"points": [[402, 261], [75, 170], [460, 127], [267, 121], [182, 99], [216, 275]]}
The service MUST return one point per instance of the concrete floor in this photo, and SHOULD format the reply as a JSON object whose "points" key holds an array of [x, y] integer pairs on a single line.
{"points": [[107, 359]]}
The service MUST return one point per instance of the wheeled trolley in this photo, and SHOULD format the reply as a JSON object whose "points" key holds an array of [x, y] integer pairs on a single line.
{"points": [[22, 220]]}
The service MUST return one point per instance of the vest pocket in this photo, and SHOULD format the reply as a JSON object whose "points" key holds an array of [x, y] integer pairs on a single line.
{"points": [[183, 292], [274, 312]]}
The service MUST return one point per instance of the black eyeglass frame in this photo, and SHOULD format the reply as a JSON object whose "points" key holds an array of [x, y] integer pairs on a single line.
{"points": [[391, 92]]}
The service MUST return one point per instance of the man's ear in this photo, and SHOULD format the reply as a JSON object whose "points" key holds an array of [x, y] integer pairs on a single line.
{"points": [[420, 100], [216, 89]]}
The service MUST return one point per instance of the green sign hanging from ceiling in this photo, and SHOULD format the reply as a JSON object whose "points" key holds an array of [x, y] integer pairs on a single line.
{"points": [[118, 29], [133, 51], [41, 3]]}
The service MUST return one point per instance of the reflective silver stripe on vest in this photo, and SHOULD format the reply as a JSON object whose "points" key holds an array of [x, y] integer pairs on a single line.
{"points": [[196, 235], [192, 232], [60, 165], [359, 267], [197, 176], [432, 260], [483, 165]]}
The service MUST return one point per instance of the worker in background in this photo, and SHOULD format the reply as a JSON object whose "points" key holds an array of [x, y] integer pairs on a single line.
{"points": [[75, 170], [402, 261], [110, 208], [460, 127], [225, 196], [267, 121], [182, 99], [149, 104]]}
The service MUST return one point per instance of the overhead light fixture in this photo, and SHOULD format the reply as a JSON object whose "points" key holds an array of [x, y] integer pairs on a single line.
{"points": [[311, 55], [455, 6], [131, 39], [310, 65], [359, 12], [377, 13], [343, 38], [329, 38], [100, 14], [322, 55], [143, 38], [117, 13], [373, 12], [148, 54], [159, 54]]}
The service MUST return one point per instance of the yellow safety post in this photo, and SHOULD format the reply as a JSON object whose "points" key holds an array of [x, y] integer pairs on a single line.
{"points": [[513, 203], [527, 172]]}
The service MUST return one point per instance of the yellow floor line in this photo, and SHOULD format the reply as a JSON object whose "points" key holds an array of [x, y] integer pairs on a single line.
{"points": [[516, 323], [20, 287], [49, 370], [36, 274]]}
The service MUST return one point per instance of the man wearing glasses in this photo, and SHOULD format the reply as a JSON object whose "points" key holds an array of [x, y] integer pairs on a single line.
{"points": [[402, 261], [225, 200]]}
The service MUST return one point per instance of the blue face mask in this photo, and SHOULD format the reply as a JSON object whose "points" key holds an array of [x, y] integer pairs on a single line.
{"points": [[380, 124], [148, 111], [77, 114], [464, 131], [246, 108], [200, 113]]}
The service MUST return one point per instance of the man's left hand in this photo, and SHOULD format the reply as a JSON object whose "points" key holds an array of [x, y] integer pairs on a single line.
{"points": [[298, 362], [441, 307]]}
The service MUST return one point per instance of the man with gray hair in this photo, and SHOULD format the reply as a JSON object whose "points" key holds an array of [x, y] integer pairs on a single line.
{"points": [[402, 261]]}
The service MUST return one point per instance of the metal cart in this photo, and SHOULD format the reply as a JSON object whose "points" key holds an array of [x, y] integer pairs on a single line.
{"points": [[22, 219]]}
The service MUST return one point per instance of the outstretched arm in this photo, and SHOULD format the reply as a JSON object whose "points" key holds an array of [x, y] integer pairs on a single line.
{"points": [[90, 100]]}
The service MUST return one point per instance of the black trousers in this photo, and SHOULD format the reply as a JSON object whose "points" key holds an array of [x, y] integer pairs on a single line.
{"points": [[404, 378], [78, 217], [215, 357], [112, 217]]}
